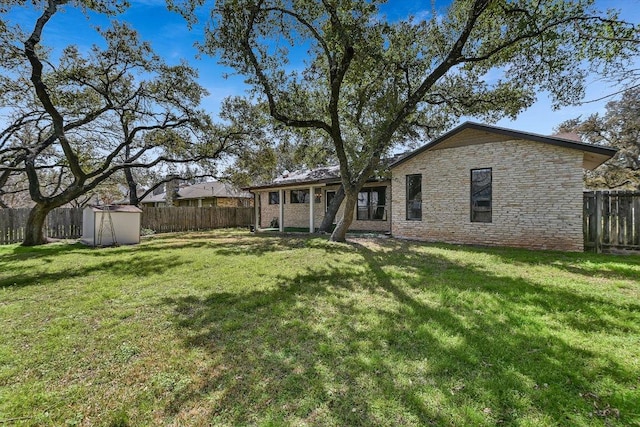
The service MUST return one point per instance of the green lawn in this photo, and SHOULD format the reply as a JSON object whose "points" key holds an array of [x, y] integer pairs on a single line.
{"points": [[229, 328]]}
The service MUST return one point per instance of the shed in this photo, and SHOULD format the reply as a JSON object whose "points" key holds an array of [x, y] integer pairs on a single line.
{"points": [[108, 225]]}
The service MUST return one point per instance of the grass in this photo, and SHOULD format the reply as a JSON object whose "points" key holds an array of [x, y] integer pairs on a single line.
{"points": [[229, 328]]}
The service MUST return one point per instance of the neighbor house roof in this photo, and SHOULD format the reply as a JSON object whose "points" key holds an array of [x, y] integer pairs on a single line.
{"points": [[594, 155], [203, 190]]}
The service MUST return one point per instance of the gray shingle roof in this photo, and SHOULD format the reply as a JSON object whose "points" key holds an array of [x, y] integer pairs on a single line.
{"points": [[324, 174], [318, 174]]}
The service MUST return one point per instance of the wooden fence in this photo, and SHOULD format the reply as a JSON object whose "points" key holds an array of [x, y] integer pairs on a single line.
{"points": [[165, 220], [61, 223], [611, 220], [66, 223]]}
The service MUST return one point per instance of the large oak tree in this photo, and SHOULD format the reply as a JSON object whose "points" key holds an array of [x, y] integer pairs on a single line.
{"points": [[369, 83], [86, 117], [618, 127]]}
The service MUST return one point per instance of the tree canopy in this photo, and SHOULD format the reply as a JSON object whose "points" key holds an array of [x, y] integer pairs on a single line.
{"points": [[618, 127], [369, 83], [272, 148], [76, 121]]}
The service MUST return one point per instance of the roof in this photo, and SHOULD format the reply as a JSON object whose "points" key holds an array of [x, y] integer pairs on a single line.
{"points": [[572, 136], [321, 175], [114, 208], [202, 190], [594, 154], [318, 174]]}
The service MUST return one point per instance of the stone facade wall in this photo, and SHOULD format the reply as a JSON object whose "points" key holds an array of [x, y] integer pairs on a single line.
{"points": [[297, 214], [536, 196]]}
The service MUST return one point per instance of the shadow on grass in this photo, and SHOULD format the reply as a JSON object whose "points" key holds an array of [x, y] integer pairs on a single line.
{"points": [[239, 242], [224, 241], [21, 253], [609, 266], [137, 265], [153, 257], [405, 338]]}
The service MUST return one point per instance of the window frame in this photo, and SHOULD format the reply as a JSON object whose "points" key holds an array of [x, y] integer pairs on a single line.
{"points": [[474, 209], [369, 207], [277, 195], [296, 200], [409, 201]]}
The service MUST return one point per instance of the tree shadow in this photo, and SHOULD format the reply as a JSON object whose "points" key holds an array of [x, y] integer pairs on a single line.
{"points": [[503, 342], [132, 266], [149, 258], [51, 250], [242, 243], [610, 266], [396, 339]]}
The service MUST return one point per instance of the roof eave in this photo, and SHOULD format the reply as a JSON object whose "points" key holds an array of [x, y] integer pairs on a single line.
{"points": [[325, 181], [298, 184], [605, 151]]}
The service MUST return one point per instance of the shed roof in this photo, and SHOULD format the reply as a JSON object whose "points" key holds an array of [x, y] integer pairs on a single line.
{"points": [[594, 155], [115, 208]]}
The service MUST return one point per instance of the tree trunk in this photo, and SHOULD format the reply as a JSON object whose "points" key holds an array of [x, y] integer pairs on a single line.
{"points": [[332, 210], [34, 234], [133, 188], [340, 233]]}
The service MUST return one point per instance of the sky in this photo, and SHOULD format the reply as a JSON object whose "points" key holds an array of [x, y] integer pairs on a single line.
{"points": [[170, 37]]}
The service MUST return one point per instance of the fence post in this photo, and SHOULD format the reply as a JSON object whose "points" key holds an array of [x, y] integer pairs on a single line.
{"points": [[598, 218]]}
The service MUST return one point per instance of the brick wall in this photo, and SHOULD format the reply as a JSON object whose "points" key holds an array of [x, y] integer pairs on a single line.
{"points": [[297, 214], [222, 202], [536, 195]]}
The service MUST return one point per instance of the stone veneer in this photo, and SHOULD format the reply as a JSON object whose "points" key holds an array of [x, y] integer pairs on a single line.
{"points": [[297, 214], [536, 195]]}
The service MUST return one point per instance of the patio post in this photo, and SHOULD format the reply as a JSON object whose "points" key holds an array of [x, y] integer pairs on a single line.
{"points": [[281, 210], [311, 203]]}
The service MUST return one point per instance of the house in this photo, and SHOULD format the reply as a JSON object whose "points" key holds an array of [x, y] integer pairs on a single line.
{"points": [[476, 184], [204, 194], [297, 190]]}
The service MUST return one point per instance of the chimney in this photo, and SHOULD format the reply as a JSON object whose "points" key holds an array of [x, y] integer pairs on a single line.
{"points": [[171, 190]]}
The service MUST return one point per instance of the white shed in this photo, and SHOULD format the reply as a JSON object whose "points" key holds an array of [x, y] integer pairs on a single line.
{"points": [[108, 225]]}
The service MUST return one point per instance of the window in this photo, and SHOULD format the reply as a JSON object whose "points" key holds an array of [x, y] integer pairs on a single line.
{"points": [[299, 196], [371, 204], [274, 197], [414, 197], [481, 195]]}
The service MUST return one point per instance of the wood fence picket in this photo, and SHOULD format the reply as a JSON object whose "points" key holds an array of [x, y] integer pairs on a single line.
{"points": [[66, 223], [611, 220]]}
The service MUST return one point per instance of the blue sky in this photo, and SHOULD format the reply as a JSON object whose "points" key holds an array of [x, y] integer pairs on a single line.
{"points": [[170, 37]]}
